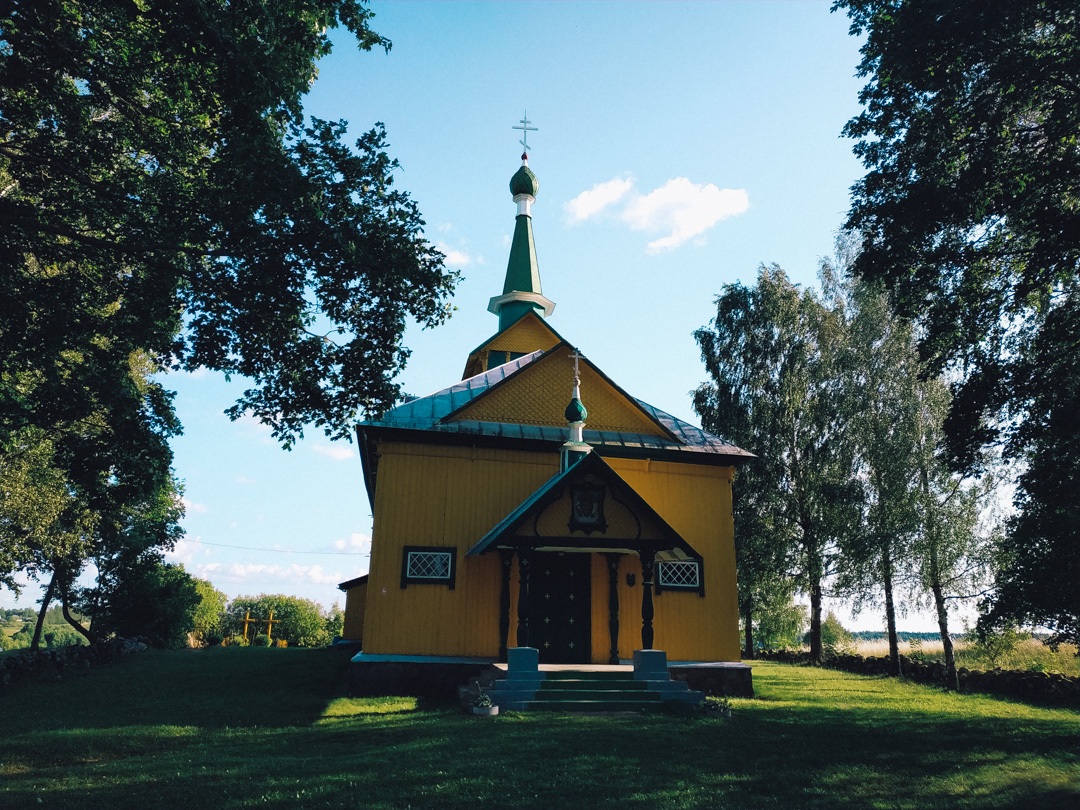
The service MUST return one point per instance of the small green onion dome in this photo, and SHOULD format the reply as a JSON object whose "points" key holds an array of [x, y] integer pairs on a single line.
{"points": [[575, 411], [524, 182]]}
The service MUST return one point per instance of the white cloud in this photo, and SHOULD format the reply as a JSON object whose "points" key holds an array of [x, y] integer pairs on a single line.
{"points": [[193, 508], [242, 572], [455, 256], [338, 452], [683, 208], [594, 200], [356, 542], [183, 552], [680, 208], [244, 480]]}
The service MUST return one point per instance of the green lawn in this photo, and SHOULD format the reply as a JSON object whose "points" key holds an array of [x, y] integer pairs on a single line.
{"points": [[234, 728]]}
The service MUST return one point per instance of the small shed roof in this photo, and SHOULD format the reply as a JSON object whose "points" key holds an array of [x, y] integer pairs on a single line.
{"points": [[352, 583]]}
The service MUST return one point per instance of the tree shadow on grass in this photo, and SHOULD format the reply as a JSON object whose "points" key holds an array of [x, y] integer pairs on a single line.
{"points": [[442, 758], [241, 687], [803, 747]]}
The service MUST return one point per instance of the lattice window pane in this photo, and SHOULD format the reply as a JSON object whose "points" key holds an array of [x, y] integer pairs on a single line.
{"points": [[680, 574], [429, 565]]}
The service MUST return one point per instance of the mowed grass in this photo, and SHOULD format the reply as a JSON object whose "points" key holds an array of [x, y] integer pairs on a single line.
{"points": [[238, 728]]}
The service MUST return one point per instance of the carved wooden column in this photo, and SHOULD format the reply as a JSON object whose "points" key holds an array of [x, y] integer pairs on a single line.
{"points": [[523, 597], [648, 558], [613, 605], [506, 560]]}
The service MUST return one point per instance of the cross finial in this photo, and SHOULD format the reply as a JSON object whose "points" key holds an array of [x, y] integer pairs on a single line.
{"points": [[577, 374], [525, 130]]}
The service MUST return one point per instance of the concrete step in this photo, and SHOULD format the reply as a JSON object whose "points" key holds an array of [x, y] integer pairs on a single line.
{"points": [[645, 688], [591, 675], [594, 683], [594, 706], [559, 695]]}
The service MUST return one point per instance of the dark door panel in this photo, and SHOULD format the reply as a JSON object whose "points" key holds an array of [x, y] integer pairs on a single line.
{"points": [[561, 622]]}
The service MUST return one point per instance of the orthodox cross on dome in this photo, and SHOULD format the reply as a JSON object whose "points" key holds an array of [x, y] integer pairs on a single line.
{"points": [[575, 412], [575, 447], [521, 290], [525, 130]]}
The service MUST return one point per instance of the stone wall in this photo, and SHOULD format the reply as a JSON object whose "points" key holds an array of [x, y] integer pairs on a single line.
{"points": [[54, 664]]}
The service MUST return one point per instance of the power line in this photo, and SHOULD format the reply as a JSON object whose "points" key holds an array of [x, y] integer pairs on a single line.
{"points": [[279, 550]]}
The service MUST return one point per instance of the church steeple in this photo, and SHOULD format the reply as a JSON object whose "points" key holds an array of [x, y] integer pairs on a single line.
{"points": [[521, 290]]}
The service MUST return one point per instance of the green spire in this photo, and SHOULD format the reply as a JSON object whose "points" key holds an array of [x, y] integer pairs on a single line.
{"points": [[522, 271], [521, 290]]}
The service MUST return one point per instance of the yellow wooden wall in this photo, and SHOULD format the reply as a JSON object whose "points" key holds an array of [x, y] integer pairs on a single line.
{"points": [[527, 335], [695, 500], [355, 603], [430, 495]]}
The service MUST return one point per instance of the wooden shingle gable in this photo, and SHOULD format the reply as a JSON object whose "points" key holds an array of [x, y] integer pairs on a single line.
{"points": [[537, 395]]}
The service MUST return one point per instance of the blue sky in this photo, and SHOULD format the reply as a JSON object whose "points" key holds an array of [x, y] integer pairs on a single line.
{"points": [[679, 146]]}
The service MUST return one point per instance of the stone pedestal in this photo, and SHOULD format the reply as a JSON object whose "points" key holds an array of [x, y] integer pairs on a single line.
{"points": [[523, 678], [650, 665], [523, 660]]}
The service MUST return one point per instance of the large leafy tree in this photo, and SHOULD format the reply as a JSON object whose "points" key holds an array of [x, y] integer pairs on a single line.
{"points": [[166, 204], [1040, 558], [970, 213], [881, 384], [771, 354], [163, 192]]}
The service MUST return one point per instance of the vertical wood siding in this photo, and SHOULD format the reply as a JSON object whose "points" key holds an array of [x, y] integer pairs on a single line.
{"points": [[442, 496], [451, 496]]}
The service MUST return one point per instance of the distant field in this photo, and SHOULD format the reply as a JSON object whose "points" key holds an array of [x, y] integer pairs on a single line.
{"points": [[1030, 654], [246, 727]]}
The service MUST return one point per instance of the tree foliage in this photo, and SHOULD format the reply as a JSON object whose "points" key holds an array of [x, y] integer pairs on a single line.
{"points": [[771, 354], [881, 381], [163, 192], [779, 623], [300, 622], [849, 489], [142, 596], [210, 612], [167, 205], [970, 214]]}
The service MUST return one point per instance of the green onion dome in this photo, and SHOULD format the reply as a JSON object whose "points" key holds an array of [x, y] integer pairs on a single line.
{"points": [[524, 182], [575, 411]]}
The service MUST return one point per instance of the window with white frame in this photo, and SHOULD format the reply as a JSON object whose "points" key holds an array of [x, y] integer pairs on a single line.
{"points": [[679, 576], [428, 565]]}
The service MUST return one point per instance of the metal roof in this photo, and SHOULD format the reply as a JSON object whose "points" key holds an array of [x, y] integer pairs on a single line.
{"points": [[427, 414]]}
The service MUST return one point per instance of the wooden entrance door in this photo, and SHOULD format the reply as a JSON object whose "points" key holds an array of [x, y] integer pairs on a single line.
{"points": [[560, 626]]}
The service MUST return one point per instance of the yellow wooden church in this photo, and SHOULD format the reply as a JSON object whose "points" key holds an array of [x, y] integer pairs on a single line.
{"points": [[536, 503]]}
